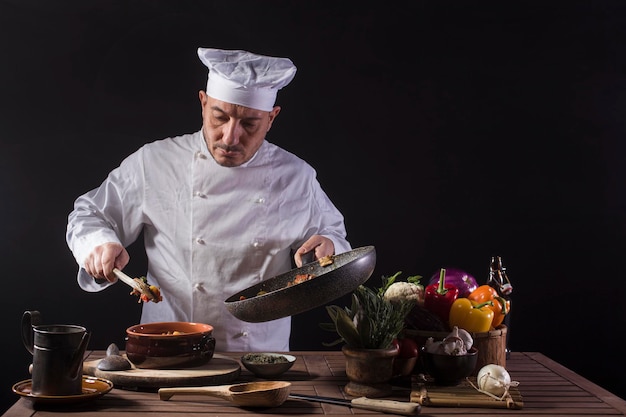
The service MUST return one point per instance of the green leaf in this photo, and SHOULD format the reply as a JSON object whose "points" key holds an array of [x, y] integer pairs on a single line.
{"points": [[344, 326], [414, 279], [387, 281], [333, 343], [329, 327]]}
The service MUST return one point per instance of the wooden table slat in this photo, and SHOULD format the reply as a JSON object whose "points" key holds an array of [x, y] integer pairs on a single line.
{"points": [[547, 389]]}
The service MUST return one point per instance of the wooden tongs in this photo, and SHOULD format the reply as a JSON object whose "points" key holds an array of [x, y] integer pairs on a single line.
{"points": [[136, 284]]}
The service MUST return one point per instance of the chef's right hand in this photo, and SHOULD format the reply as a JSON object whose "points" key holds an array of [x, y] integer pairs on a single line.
{"points": [[101, 261]]}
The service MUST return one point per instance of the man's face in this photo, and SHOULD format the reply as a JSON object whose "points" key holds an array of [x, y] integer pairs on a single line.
{"points": [[233, 133]]}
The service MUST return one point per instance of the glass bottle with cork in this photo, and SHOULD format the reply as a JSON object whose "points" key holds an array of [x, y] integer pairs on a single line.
{"points": [[499, 280]]}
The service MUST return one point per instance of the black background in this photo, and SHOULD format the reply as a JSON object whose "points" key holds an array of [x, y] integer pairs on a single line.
{"points": [[446, 132]]}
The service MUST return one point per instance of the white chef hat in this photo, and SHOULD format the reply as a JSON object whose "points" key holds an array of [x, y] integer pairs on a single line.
{"points": [[244, 78]]}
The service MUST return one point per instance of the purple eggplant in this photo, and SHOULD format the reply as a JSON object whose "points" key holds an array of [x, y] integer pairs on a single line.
{"points": [[464, 281]]}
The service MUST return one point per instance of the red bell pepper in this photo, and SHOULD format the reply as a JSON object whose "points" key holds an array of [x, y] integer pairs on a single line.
{"points": [[439, 296]]}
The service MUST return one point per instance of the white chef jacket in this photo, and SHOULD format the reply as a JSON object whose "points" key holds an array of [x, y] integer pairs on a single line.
{"points": [[209, 231]]}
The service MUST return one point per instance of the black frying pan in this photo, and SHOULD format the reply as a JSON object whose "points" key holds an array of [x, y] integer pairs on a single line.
{"points": [[348, 271]]}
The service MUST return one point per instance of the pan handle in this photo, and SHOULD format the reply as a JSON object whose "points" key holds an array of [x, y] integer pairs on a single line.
{"points": [[308, 257]]}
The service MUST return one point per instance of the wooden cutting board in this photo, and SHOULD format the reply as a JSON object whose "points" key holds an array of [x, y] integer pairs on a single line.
{"points": [[462, 395], [220, 370]]}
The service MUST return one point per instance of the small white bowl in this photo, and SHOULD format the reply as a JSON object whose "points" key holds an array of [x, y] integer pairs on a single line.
{"points": [[267, 365]]}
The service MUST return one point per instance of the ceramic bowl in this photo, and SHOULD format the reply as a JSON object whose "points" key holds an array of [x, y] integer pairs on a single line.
{"points": [[449, 369], [267, 365], [166, 345]]}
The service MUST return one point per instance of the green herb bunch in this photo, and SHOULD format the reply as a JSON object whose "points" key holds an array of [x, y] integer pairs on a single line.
{"points": [[371, 322]]}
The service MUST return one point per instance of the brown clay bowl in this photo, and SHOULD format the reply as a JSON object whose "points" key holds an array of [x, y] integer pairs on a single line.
{"points": [[166, 345]]}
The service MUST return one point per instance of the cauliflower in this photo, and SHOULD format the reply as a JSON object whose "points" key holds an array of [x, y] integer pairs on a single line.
{"points": [[403, 291]]}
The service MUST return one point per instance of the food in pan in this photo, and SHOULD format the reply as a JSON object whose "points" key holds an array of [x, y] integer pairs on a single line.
{"points": [[326, 260], [299, 278]]}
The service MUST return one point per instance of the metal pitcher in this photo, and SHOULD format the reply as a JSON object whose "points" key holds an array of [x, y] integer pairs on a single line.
{"points": [[58, 351]]}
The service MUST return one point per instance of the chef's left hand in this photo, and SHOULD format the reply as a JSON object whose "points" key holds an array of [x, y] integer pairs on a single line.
{"points": [[320, 245]]}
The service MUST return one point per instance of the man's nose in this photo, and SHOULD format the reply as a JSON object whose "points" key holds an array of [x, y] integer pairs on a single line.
{"points": [[232, 132]]}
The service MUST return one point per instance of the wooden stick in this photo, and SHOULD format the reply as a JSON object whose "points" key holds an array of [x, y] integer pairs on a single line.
{"points": [[463, 396], [134, 283]]}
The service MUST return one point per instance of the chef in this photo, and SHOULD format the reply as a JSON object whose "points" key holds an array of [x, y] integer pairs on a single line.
{"points": [[221, 209]]}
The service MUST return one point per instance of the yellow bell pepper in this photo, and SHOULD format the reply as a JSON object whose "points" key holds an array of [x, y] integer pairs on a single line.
{"points": [[470, 315]]}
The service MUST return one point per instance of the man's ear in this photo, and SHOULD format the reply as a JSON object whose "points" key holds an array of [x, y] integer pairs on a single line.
{"points": [[273, 115], [202, 96], [203, 100]]}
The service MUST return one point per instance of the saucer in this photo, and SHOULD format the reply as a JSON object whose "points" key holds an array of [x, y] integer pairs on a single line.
{"points": [[92, 388]]}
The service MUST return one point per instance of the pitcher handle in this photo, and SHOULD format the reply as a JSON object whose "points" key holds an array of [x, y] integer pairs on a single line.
{"points": [[29, 319], [77, 359]]}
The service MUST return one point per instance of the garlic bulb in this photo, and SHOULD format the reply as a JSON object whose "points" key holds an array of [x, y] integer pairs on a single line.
{"points": [[466, 336], [431, 346], [456, 343]]}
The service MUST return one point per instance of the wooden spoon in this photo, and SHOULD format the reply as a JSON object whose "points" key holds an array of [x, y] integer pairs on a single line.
{"points": [[249, 394], [274, 394]]}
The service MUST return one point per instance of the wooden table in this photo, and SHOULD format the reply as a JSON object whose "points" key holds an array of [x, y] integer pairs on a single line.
{"points": [[547, 388]]}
